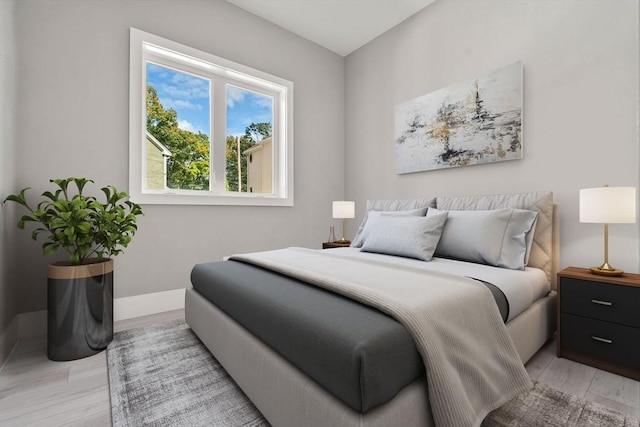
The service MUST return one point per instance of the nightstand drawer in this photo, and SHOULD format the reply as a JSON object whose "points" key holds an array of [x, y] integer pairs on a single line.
{"points": [[607, 341], [613, 303], [331, 245]]}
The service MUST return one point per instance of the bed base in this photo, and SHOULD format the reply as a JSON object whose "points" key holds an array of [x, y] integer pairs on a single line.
{"points": [[287, 397]]}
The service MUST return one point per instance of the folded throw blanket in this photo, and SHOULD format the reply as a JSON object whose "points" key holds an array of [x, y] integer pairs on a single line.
{"points": [[471, 363]]}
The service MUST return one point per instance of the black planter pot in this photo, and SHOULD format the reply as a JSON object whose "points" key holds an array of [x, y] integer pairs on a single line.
{"points": [[80, 309]]}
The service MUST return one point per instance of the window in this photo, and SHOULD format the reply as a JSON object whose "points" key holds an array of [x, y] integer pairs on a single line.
{"points": [[205, 130]]}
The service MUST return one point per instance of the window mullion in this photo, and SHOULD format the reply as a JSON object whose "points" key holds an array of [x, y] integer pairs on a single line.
{"points": [[218, 140]]}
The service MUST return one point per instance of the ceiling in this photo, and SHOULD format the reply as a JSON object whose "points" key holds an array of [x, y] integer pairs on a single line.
{"points": [[339, 25]]}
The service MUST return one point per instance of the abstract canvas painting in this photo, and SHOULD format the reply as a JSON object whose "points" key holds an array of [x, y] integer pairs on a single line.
{"points": [[469, 123]]}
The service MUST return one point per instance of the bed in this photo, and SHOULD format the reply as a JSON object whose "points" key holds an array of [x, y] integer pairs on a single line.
{"points": [[293, 392]]}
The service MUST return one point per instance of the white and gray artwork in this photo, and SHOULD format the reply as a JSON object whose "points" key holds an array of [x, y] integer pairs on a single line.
{"points": [[469, 123]]}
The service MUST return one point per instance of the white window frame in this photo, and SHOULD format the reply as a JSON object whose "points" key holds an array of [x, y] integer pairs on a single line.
{"points": [[148, 47]]}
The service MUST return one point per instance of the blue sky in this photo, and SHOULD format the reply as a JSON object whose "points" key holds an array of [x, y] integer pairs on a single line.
{"points": [[189, 96]]}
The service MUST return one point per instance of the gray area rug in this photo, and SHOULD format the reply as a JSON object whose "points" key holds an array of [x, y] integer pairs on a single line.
{"points": [[544, 406], [163, 375]]}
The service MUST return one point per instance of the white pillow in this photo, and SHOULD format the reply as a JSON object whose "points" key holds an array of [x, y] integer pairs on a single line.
{"points": [[362, 233], [407, 236], [494, 237]]}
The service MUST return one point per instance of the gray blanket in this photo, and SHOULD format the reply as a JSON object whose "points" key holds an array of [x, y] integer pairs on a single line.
{"points": [[471, 363]]}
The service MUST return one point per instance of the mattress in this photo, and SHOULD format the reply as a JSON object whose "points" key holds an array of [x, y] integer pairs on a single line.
{"points": [[360, 355], [289, 398]]}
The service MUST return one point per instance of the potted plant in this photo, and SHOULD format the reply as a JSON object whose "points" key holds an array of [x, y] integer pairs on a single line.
{"points": [[80, 290]]}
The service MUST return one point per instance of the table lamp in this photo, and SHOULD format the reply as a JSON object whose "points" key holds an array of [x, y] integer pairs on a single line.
{"points": [[608, 205], [341, 210]]}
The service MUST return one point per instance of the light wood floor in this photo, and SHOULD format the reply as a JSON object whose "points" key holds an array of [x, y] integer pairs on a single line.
{"points": [[35, 391]]}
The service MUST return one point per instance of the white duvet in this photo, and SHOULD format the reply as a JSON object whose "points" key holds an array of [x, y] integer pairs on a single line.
{"points": [[521, 287]]}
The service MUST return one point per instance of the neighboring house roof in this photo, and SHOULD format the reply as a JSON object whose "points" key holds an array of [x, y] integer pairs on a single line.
{"points": [[257, 145], [165, 151]]}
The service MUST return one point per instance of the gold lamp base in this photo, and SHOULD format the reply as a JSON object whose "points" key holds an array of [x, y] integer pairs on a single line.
{"points": [[606, 270], [343, 240]]}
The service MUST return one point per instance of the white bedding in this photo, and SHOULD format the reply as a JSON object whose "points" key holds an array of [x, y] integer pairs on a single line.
{"points": [[521, 287], [471, 363]]}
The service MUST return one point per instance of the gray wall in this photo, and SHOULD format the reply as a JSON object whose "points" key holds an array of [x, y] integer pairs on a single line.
{"points": [[581, 90], [8, 289], [73, 112], [580, 110]]}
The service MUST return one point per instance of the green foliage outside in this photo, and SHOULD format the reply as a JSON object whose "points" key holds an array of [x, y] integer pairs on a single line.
{"points": [[188, 166]]}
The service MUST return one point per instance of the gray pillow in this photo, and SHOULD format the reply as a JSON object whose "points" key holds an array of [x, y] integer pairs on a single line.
{"points": [[407, 236], [363, 232], [499, 237]]}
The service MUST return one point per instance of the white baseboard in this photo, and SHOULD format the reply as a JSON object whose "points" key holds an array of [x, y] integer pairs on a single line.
{"points": [[143, 305], [34, 323]]}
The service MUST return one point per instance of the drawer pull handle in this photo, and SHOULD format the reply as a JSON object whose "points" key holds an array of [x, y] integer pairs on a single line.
{"points": [[604, 340], [600, 302]]}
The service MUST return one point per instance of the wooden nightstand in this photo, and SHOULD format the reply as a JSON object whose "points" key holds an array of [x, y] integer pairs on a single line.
{"points": [[599, 320], [330, 245]]}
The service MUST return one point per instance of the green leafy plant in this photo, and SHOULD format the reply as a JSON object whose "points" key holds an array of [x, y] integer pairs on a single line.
{"points": [[81, 225]]}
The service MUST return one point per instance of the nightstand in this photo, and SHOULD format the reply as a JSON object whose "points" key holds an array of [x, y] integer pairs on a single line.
{"points": [[330, 245], [599, 320]]}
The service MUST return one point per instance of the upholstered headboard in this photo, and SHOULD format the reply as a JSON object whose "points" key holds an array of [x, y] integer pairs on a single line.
{"points": [[544, 250]]}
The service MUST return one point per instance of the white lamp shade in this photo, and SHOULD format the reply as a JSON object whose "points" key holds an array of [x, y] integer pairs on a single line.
{"points": [[344, 209], [612, 205]]}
